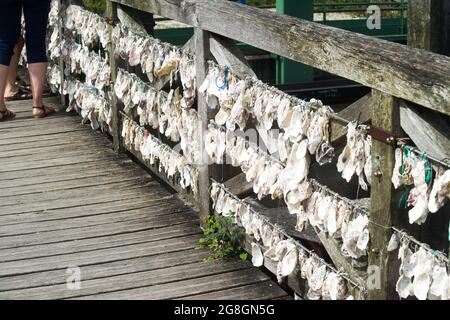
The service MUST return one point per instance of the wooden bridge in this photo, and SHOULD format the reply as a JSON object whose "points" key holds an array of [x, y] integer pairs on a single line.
{"points": [[68, 201], [71, 198]]}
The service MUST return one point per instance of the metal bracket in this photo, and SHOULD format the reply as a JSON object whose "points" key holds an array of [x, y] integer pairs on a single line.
{"points": [[383, 136]]}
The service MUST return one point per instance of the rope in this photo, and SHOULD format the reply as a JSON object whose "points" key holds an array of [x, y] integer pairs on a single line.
{"points": [[296, 242]]}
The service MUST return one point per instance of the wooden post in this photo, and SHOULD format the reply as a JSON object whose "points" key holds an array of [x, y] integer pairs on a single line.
{"points": [[385, 116], [429, 25], [201, 40], [111, 14], [61, 7], [429, 29]]}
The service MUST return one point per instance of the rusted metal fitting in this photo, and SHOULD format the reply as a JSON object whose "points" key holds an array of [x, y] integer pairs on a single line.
{"points": [[390, 140], [378, 174]]}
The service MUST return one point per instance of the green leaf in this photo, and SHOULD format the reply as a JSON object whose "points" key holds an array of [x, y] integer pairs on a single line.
{"points": [[243, 256]]}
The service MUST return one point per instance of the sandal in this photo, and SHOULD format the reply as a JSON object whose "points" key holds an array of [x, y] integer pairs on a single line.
{"points": [[23, 84], [46, 112], [21, 94], [7, 115]]}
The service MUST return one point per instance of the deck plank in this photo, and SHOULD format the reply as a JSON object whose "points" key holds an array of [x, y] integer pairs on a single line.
{"points": [[67, 200]]}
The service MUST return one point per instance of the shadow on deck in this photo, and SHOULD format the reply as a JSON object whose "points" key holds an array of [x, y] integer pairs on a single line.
{"points": [[67, 200]]}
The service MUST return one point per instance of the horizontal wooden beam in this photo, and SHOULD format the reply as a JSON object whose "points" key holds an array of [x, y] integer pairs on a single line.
{"points": [[414, 75], [228, 54], [429, 132]]}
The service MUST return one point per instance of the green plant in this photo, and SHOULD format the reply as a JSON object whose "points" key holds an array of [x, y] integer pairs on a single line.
{"points": [[223, 238], [97, 6]]}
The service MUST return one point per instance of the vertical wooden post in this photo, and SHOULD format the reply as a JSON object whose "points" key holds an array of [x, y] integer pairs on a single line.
{"points": [[429, 25], [61, 8], [201, 40], [111, 14], [429, 29], [385, 116]]}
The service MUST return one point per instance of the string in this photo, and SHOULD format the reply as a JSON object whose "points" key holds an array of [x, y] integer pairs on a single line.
{"points": [[224, 86], [436, 253], [296, 242]]}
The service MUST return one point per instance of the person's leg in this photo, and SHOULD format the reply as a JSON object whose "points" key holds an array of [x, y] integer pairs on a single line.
{"points": [[10, 11], [11, 87], [36, 18]]}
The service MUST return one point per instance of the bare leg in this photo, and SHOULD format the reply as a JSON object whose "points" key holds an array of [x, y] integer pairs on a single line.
{"points": [[3, 80], [38, 76], [11, 87], [4, 113]]}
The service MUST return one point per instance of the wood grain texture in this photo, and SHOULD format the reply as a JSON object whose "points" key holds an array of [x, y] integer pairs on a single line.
{"points": [[73, 202], [359, 111], [202, 51], [386, 116], [395, 69]]}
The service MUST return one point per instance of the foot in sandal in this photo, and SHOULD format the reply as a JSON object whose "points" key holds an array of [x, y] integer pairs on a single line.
{"points": [[20, 94], [6, 114], [43, 111]]}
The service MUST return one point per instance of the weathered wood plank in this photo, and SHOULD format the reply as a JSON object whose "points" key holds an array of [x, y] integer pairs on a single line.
{"points": [[66, 175], [42, 206], [189, 287], [94, 231], [111, 14], [398, 70], [98, 256], [126, 281], [357, 111], [202, 50], [238, 185], [32, 141], [104, 188], [261, 291], [93, 209], [40, 131], [108, 269], [228, 54], [80, 183], [341, 263], [161, 210], [84, 206], [92, 244], [64, 169], [53, 151], [131, 22], [428, 25], [386, 116], [428, 131], [48, 163]]}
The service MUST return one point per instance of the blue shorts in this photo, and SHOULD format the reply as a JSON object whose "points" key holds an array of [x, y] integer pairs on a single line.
{"points": [[36, 19]]}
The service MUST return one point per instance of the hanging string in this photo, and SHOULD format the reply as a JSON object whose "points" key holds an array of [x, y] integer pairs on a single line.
{"points": [[296, 242], [224, 86], [436, 253]]}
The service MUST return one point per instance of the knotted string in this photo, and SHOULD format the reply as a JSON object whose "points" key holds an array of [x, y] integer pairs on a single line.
{"points": [[224, 86]]}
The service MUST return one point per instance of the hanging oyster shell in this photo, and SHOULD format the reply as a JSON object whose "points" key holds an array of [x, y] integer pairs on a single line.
{"points": [[393, 243], [404, 287], [257, 255], [440, 193]]}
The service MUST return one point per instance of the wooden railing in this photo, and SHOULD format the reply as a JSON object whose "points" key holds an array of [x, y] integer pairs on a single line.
{"points": [[396, 73]]}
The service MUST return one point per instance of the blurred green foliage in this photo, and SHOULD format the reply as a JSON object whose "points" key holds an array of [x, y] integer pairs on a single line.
{"points": [[97, 6]]}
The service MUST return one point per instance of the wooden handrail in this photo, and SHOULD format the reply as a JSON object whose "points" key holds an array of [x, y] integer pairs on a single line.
{"points": [[414, 75]]}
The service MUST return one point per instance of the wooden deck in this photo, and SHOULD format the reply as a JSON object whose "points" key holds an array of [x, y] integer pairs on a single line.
{"points": [[66, 200]]}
